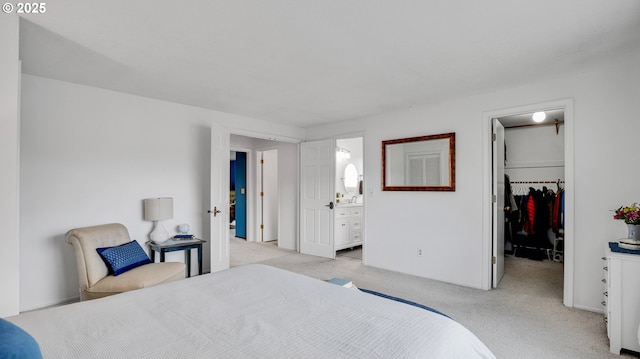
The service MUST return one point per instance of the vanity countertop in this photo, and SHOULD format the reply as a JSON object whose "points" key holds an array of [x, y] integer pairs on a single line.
{"points": [[349, 205]]}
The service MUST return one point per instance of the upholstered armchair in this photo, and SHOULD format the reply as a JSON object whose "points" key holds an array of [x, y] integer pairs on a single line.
{"points": [[94, 275]]}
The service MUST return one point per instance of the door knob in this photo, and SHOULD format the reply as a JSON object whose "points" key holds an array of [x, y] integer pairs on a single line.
{"points": [[215, 211], [330, 205]]}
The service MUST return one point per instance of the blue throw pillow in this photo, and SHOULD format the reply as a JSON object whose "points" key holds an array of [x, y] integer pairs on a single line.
{"points": [[16, 343], [124, 257]]}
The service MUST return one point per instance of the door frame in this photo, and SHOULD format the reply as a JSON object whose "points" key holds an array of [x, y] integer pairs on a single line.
{"points": [[498, 188], [487, 233]]}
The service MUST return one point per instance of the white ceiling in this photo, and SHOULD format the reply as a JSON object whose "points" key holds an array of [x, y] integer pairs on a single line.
{"points": [[304, 63]]}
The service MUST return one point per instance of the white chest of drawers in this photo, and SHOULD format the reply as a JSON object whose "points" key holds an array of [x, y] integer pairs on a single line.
{"points": [[622, 300]]}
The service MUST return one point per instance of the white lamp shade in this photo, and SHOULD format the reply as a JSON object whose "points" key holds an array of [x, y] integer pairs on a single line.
{"points": [[158, 209]]}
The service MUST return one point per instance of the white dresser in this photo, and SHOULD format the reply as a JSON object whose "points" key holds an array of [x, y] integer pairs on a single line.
{"points": [[348, 226], [622, 300]]}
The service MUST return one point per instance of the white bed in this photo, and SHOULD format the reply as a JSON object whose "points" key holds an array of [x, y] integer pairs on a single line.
{"points": [[253, 311]]}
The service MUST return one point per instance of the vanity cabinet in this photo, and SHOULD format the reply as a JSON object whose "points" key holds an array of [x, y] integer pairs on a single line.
{"points": [[348, 227], [621, 298]]}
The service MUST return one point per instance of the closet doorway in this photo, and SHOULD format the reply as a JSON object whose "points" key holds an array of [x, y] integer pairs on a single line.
{"points": [[529, 211]]}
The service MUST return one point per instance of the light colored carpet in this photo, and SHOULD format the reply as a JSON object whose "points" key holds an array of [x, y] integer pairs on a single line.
{"points": [[523, 318]]}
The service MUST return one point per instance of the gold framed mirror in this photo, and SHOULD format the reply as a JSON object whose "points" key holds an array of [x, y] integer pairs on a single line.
{"points": [[425, 163]]}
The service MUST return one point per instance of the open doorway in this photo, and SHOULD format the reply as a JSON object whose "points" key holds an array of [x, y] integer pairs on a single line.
{"points": [[348, 221], [280, 187], [529, 217], [238, 194]]}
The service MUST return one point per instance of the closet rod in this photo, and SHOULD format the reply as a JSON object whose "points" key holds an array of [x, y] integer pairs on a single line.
{"points": [[556, 123], [536, 124], [544, 182]]}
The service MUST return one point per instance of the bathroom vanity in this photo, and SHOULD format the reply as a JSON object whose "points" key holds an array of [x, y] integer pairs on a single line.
{"points": [[348, 225]]}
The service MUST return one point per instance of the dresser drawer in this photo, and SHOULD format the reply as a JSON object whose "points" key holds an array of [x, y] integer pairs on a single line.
{"points": [[356, 224]]}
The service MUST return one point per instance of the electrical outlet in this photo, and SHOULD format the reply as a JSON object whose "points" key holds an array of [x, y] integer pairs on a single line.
{"points": [[419, 253]]}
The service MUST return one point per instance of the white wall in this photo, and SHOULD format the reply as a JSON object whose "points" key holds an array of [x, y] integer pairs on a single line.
{"points": [[448, 226], [9, 162], [535, 153], [532, 146], [90, 156]]}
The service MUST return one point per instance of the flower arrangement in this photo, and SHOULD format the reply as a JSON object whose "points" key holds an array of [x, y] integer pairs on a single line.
{"points": [[630, 214]]}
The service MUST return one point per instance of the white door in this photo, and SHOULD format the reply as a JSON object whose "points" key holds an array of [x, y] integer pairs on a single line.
{"points": [[317, 197], [219, 205], [498, 202], [270, 195]]}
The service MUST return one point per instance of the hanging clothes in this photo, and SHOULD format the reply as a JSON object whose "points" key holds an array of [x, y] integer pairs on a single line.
{"points": [[530, 212], [535, 216], [545, 200], [557, 218], [510, 214], [509, 198]]}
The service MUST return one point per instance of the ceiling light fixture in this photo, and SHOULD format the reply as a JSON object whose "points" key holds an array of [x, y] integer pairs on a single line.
{"points": [[342, 153], [539, 117]]}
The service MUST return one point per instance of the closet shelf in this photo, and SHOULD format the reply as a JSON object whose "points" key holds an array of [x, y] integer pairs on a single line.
{"points": [[534, 164]]}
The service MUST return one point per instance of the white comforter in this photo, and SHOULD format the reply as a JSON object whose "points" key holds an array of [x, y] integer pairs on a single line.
{"points": [[253, 311]]}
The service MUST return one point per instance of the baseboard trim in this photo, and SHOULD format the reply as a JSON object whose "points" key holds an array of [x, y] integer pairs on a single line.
{"points": [[589, 309], [56, 304]]}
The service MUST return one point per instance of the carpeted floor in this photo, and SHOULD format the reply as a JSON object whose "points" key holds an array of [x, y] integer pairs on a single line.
{"points": [[523, 318]]}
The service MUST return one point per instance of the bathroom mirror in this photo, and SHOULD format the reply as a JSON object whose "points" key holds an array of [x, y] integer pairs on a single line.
{"points": [[350, 178], [425, 163]]}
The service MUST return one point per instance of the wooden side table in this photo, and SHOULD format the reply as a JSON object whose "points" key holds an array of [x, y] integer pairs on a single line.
{"points": [[173, 245]]}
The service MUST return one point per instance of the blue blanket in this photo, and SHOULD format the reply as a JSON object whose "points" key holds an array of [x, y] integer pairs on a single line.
{"points": [[403, 301]]}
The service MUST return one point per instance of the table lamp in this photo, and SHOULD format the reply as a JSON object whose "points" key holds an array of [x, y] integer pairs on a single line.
{"points": [[158, 210]]}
